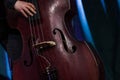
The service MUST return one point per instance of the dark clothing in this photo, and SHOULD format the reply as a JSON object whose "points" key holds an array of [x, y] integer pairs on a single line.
{"points": [[10, 3], [2, 10], [3, 23], [9, 36]]}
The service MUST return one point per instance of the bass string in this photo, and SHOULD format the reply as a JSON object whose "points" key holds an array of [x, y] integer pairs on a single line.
{"points": [[38, 22], [37, 33]]}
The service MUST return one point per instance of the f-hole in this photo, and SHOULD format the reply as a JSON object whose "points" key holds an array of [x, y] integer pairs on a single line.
{"points": [[70, 49]]}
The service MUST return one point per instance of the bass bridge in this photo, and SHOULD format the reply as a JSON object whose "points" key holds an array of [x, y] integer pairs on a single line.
{"points": [[44, 45]]}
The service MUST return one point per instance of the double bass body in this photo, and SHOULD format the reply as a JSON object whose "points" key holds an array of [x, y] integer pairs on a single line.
{"points": [[49, 51]]}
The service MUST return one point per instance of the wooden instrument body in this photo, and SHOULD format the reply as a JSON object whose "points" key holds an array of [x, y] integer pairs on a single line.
{"points": [[69, 59]]}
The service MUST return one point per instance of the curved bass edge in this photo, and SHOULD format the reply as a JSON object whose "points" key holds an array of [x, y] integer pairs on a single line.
{"points": [[97, 59]]}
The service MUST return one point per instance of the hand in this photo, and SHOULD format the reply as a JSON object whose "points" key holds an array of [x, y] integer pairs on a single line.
{"points": [[25, 8]]}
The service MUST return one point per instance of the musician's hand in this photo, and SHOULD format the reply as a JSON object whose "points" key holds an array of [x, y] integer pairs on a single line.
{"points": [[25, 8]]}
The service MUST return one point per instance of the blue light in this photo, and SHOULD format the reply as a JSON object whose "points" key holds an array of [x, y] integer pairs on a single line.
{"points": [[4, 64], [104, 6], [118, 1], [84, 23]]}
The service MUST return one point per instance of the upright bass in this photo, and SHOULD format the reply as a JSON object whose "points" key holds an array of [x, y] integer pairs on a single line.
{"points": [[49, 52]]}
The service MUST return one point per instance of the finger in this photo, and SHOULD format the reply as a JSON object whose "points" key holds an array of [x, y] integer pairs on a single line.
{"points": [[31, 5], [31, 9], [23, 12], [28, 11]]}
